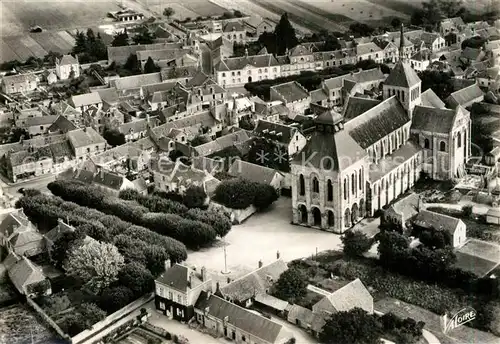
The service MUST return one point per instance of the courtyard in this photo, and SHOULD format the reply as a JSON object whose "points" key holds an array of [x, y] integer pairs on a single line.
{"points": [[259, 238]]}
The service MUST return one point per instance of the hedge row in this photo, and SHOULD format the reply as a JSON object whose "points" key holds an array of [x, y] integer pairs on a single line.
{"points": [[217, 219], [192, 233], [46, 210], [241, 193]]}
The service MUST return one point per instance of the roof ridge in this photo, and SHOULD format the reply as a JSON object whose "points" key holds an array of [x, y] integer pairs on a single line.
{"points": [[254, 271]]}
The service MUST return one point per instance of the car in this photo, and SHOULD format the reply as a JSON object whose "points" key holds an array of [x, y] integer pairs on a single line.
{"points": [[21, 191]]}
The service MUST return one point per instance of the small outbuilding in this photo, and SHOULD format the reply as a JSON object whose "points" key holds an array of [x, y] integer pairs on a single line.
{"points": [[435, 221]]}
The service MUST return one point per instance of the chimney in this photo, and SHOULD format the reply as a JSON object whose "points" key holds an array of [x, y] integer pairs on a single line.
{"points": [[278, 255], [204, 276], [168, 264], [190, 280], [260, 264]]}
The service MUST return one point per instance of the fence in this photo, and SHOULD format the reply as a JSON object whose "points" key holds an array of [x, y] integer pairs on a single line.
{"points": [[47, 319]]}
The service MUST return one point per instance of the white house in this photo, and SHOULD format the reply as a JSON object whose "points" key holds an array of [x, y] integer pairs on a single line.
{"points": [[440, 222], [66, 65], [285, 136]]}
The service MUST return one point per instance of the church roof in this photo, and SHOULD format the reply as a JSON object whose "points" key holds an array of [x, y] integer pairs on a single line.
{"points": [[339, 148], [402, 76], [431, 99], [433, 119], [378, 122], [356, 106]]}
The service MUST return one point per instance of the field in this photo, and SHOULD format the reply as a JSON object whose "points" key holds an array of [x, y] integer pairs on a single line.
{"points": [[407, 7], [18, 325], [186, 8]]}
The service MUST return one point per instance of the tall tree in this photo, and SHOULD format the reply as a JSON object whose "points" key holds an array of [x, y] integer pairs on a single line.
{"points": [[352, 327], [120, 39], [132, 64], [150, 66], [291, 285], [80, 43], [143, 36], [285, 35], [96, 264], [355, 243], [168, 12]]}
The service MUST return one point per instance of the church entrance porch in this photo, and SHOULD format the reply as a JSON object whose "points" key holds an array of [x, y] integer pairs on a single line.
{"points": [[302, 214]]}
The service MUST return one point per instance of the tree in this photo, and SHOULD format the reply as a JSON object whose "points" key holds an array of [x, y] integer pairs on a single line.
{"points": [[96, 264], [355, 243], [63, 245], [137, 278], [440, 82], [476, 42], [194, 197], [367, 64], [17, 134], [80, 46], [168, 12], [150, 66], [285, 35], [113, 137], [112, 299], [132, 64], [361, 29], [268, 40], [265, 196], [396, 23], [291, 285], [351, 327], [199, 140], [91, 313], [143, 36], [120, 39], [95, 230]]}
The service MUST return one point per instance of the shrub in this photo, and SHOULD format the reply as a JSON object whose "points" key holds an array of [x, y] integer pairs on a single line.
{"points": [[194, 197], [137, 278], [355, 243], [115, 298], [240, 194]]}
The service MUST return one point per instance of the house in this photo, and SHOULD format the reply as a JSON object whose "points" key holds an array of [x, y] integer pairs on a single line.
{"points": [[167, 57], [86, 142], [137, 129], [37, 125], [19, 83], [327, 59], [119, 55], [243, 290], [256, 26], [61, 125], [111, 183], [493, 216], [286, 137], [403, 210], [220, 144], [300, 58], [352, 295], [67, 67], [465, 97], [127, 15], [489, 77], [235, 32], [28, 278], [57, 232], [82, 102], [27, 163], [293, 95], [223, 318], [451, 25], [369, 51], [256, 173], [19, 235], [237, 71], [306, 319], [178, 289], [421, 60], [433, 41], [470, 55], [439, 222]]}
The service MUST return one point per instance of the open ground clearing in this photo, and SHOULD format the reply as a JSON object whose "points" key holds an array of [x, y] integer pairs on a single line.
{"points": [[185, 8]]}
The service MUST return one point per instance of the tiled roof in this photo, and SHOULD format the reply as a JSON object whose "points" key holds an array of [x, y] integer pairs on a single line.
{"points": [[252, 172], [367, 48], [198, 79], [378, 122], [430, 99], [350, 296], [14, 221], [291, 91], [339, 146], [299, 50], [429, 37], [109, 95], [433, 119], [121, 54], [206, 164], [67, 60], [255, 325], [402, 75], [275, 131], [271, 301], [393, 161], [84, 137], [19, 78], [464, 96], [61, 149], [177, 277], [256, 61], [407, 206], [233, 26], [55, 233], [62, 124], [136, 81], [471, 53], [318, 95], [108, 179], [137, 126], [26, 237], [367, 75], [24, 273], [86, 99], [256, 282], [162, 54], [175, 72], [37, 121], [356, 106], [437, 221]]}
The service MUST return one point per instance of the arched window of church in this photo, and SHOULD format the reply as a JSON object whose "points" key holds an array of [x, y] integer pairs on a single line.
{"points": [[427, 144], [353, 183], [442, 146], [302, 186], [361, 178], [345, 189], [459, 140], [329, 190], [315, 185]]}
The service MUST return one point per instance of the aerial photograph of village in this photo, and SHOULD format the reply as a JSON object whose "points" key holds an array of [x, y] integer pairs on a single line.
{"points": [[249, 171]]}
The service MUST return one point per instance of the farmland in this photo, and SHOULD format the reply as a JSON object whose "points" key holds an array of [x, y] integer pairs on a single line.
{"points": [[185, 8], [18, 325]]}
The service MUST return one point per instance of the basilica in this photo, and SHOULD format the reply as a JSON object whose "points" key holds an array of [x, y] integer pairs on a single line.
{"points": [[360, 160]]}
